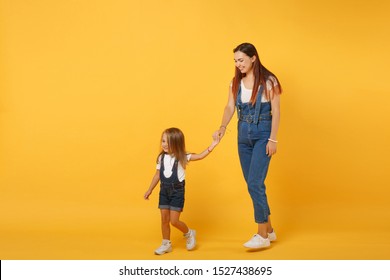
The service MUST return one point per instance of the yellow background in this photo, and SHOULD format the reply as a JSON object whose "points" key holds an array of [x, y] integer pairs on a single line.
{"points": [[88, 86]]}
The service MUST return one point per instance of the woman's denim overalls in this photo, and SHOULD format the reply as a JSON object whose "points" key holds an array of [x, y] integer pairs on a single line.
{"points": [[172, 191], [254, 129]]}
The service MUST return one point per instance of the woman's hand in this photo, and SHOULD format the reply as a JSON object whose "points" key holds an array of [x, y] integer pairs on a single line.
{"points": [[270, 149], [219, 133]]}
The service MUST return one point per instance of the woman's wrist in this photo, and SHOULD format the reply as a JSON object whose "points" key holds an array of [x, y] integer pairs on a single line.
{"points": [[223, 126], [272, 140]]}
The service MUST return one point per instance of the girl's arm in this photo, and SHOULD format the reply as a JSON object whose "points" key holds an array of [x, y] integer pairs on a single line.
{"points": [[206, 152], [227, 116], [153, 184], [275, 108]]}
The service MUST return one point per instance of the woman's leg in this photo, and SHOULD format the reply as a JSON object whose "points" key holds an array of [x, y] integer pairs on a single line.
{"points": [[254, 164], [256, 187], [264, 228], [245, 155], [269, 226]]}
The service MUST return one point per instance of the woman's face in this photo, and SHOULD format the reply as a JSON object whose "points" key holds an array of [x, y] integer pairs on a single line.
{"points": [[164, 143], [243, 62]]}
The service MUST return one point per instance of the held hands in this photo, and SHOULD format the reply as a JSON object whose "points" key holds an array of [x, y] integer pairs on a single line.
{"points": [[219, 133], [213, 144]]}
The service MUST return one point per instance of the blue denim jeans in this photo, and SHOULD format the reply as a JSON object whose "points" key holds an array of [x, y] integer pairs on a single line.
{"points": [[252, 141], [254, 129]]}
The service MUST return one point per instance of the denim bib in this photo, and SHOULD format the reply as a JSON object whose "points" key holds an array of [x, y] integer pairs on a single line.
{"points": [[173, 180], [253, 114]]}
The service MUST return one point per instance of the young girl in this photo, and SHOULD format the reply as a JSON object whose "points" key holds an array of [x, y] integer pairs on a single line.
{"points": [[171, 164]]}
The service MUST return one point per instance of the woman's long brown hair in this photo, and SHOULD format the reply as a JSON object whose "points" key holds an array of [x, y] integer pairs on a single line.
{"points": [[176, 145], [262, 74]]}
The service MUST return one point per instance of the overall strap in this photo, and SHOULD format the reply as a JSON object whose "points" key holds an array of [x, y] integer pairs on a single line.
{"points": [[238, 101], [162, 167], [175, 171], [258, 105]]}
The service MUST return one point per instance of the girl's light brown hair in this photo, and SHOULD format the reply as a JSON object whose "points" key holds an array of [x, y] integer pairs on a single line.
{"points": [[176, 145]]}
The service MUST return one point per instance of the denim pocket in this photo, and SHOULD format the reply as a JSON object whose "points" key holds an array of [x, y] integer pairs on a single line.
{"points": [[243, 129], [265, 125]]}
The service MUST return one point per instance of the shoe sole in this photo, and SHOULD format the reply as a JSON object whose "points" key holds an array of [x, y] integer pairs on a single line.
{"points": [[257, 247], [167, 251]]}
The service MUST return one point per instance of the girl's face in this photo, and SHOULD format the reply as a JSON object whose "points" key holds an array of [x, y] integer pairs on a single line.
{"points": [[164, 143], [243, 62]]}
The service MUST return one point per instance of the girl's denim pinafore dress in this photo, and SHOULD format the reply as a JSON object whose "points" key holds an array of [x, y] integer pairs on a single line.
{"points": [[172, 191]]}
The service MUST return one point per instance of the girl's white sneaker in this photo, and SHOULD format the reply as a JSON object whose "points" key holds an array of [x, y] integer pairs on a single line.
{"points": [[191, 239], [165, 247]]}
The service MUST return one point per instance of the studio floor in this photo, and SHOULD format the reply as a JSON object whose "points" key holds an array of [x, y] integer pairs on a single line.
{"points": [[116, 239]]}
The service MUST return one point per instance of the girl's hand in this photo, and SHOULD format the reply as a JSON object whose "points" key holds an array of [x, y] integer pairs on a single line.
{"points": [[219, 133], [147, 194], [270, 149], [214, 143]]}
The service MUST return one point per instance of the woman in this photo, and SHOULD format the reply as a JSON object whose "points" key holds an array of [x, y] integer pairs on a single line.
{"points": [[255, 92]]}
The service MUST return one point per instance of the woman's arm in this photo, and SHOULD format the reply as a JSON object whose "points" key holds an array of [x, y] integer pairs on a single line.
{"points": [[275, 108], [227, 116], [153, 184]]}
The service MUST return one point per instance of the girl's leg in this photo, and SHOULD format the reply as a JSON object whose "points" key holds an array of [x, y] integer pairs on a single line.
{"points": [[188, 234], [175, 221], [166, 246], [165, 220]]}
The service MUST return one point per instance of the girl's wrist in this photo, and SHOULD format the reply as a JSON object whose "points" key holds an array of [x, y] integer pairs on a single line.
{"points": [[223, 126], [272, 140]]}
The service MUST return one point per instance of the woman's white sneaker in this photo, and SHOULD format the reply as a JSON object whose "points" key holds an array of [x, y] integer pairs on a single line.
{"points": [[272, 236], [257, 242]]}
